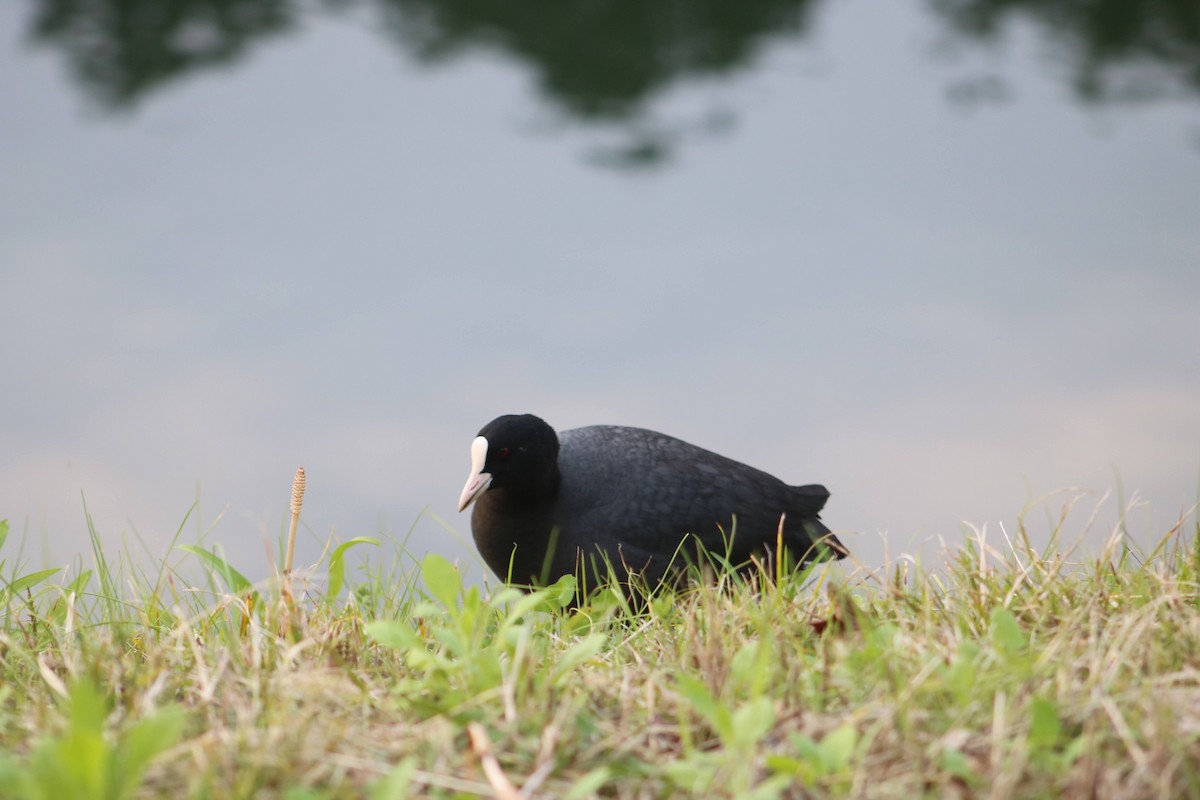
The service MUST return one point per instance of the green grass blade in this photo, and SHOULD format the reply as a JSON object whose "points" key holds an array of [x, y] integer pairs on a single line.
{"points": [[337, 564], [236, 581]]}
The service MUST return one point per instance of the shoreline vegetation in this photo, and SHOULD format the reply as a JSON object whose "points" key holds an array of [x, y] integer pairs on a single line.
{"points": [[1008, 671]]}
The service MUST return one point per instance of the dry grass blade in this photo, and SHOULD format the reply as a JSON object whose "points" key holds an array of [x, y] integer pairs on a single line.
{"points": [[482, 745]]}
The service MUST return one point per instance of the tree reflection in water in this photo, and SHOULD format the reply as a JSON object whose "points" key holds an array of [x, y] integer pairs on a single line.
{"points": [[602, 62]]}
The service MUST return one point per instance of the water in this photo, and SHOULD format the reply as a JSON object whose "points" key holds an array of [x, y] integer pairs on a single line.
{"points": [[855, 243]]}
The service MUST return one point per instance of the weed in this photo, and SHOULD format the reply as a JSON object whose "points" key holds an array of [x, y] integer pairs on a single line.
{"points": [[1008, 671]]}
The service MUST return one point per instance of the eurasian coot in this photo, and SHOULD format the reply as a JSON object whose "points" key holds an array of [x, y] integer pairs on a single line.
{"points": [[628, 498]]}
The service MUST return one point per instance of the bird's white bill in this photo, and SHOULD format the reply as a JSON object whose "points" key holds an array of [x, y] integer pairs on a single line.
{"points": [[479, 481]]}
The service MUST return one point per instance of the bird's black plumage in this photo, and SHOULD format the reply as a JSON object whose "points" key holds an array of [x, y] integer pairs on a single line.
{"points": [[629, 496]]}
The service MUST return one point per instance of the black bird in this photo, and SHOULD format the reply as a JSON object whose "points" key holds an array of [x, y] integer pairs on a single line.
{"points": [[545, 505]]}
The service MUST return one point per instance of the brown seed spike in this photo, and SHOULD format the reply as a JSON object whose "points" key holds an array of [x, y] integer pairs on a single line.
{"points": [[298, 491], [298, 484]]}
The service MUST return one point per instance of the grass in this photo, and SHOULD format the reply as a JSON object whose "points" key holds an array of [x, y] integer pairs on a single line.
{"points": [[1009, 671]]}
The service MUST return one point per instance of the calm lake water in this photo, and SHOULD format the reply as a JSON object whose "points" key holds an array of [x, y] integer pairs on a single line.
{"points": [[942, 256]]}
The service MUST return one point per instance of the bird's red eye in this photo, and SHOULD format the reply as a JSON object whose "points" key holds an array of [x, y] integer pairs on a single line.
{"points": [[502, 452]]}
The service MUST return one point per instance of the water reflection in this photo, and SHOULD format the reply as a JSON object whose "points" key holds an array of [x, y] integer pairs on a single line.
{"points": [[598, 62], [601, 60], [605, 62], [121, 50], [1115, 49]]}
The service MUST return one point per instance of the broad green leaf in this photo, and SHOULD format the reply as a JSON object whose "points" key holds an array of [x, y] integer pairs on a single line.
{"points": [[140, 744], [505, 596], [588, 785], [394, 634], [837, 748], [79, 584], [236, 582], [484, 671], [89, 708], [14, 779], [148, 737], [578, 653], [443, 580], [1006, 633], [426, 609], [956, 763], [786, 765], [565, 589], [525, 605], [751, 666], [960, 675], [52, 776], [303, 793], [84, 756], [449, 638], [58, 609], [707, 706], [806, 766], [882, 636], [805, 747], [1075, 749], [3, 532], [472, 600], [1044, 726], [753, 721], [32, 579], [395, 785], [694, 775], [337, 564], [770, 789]]}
